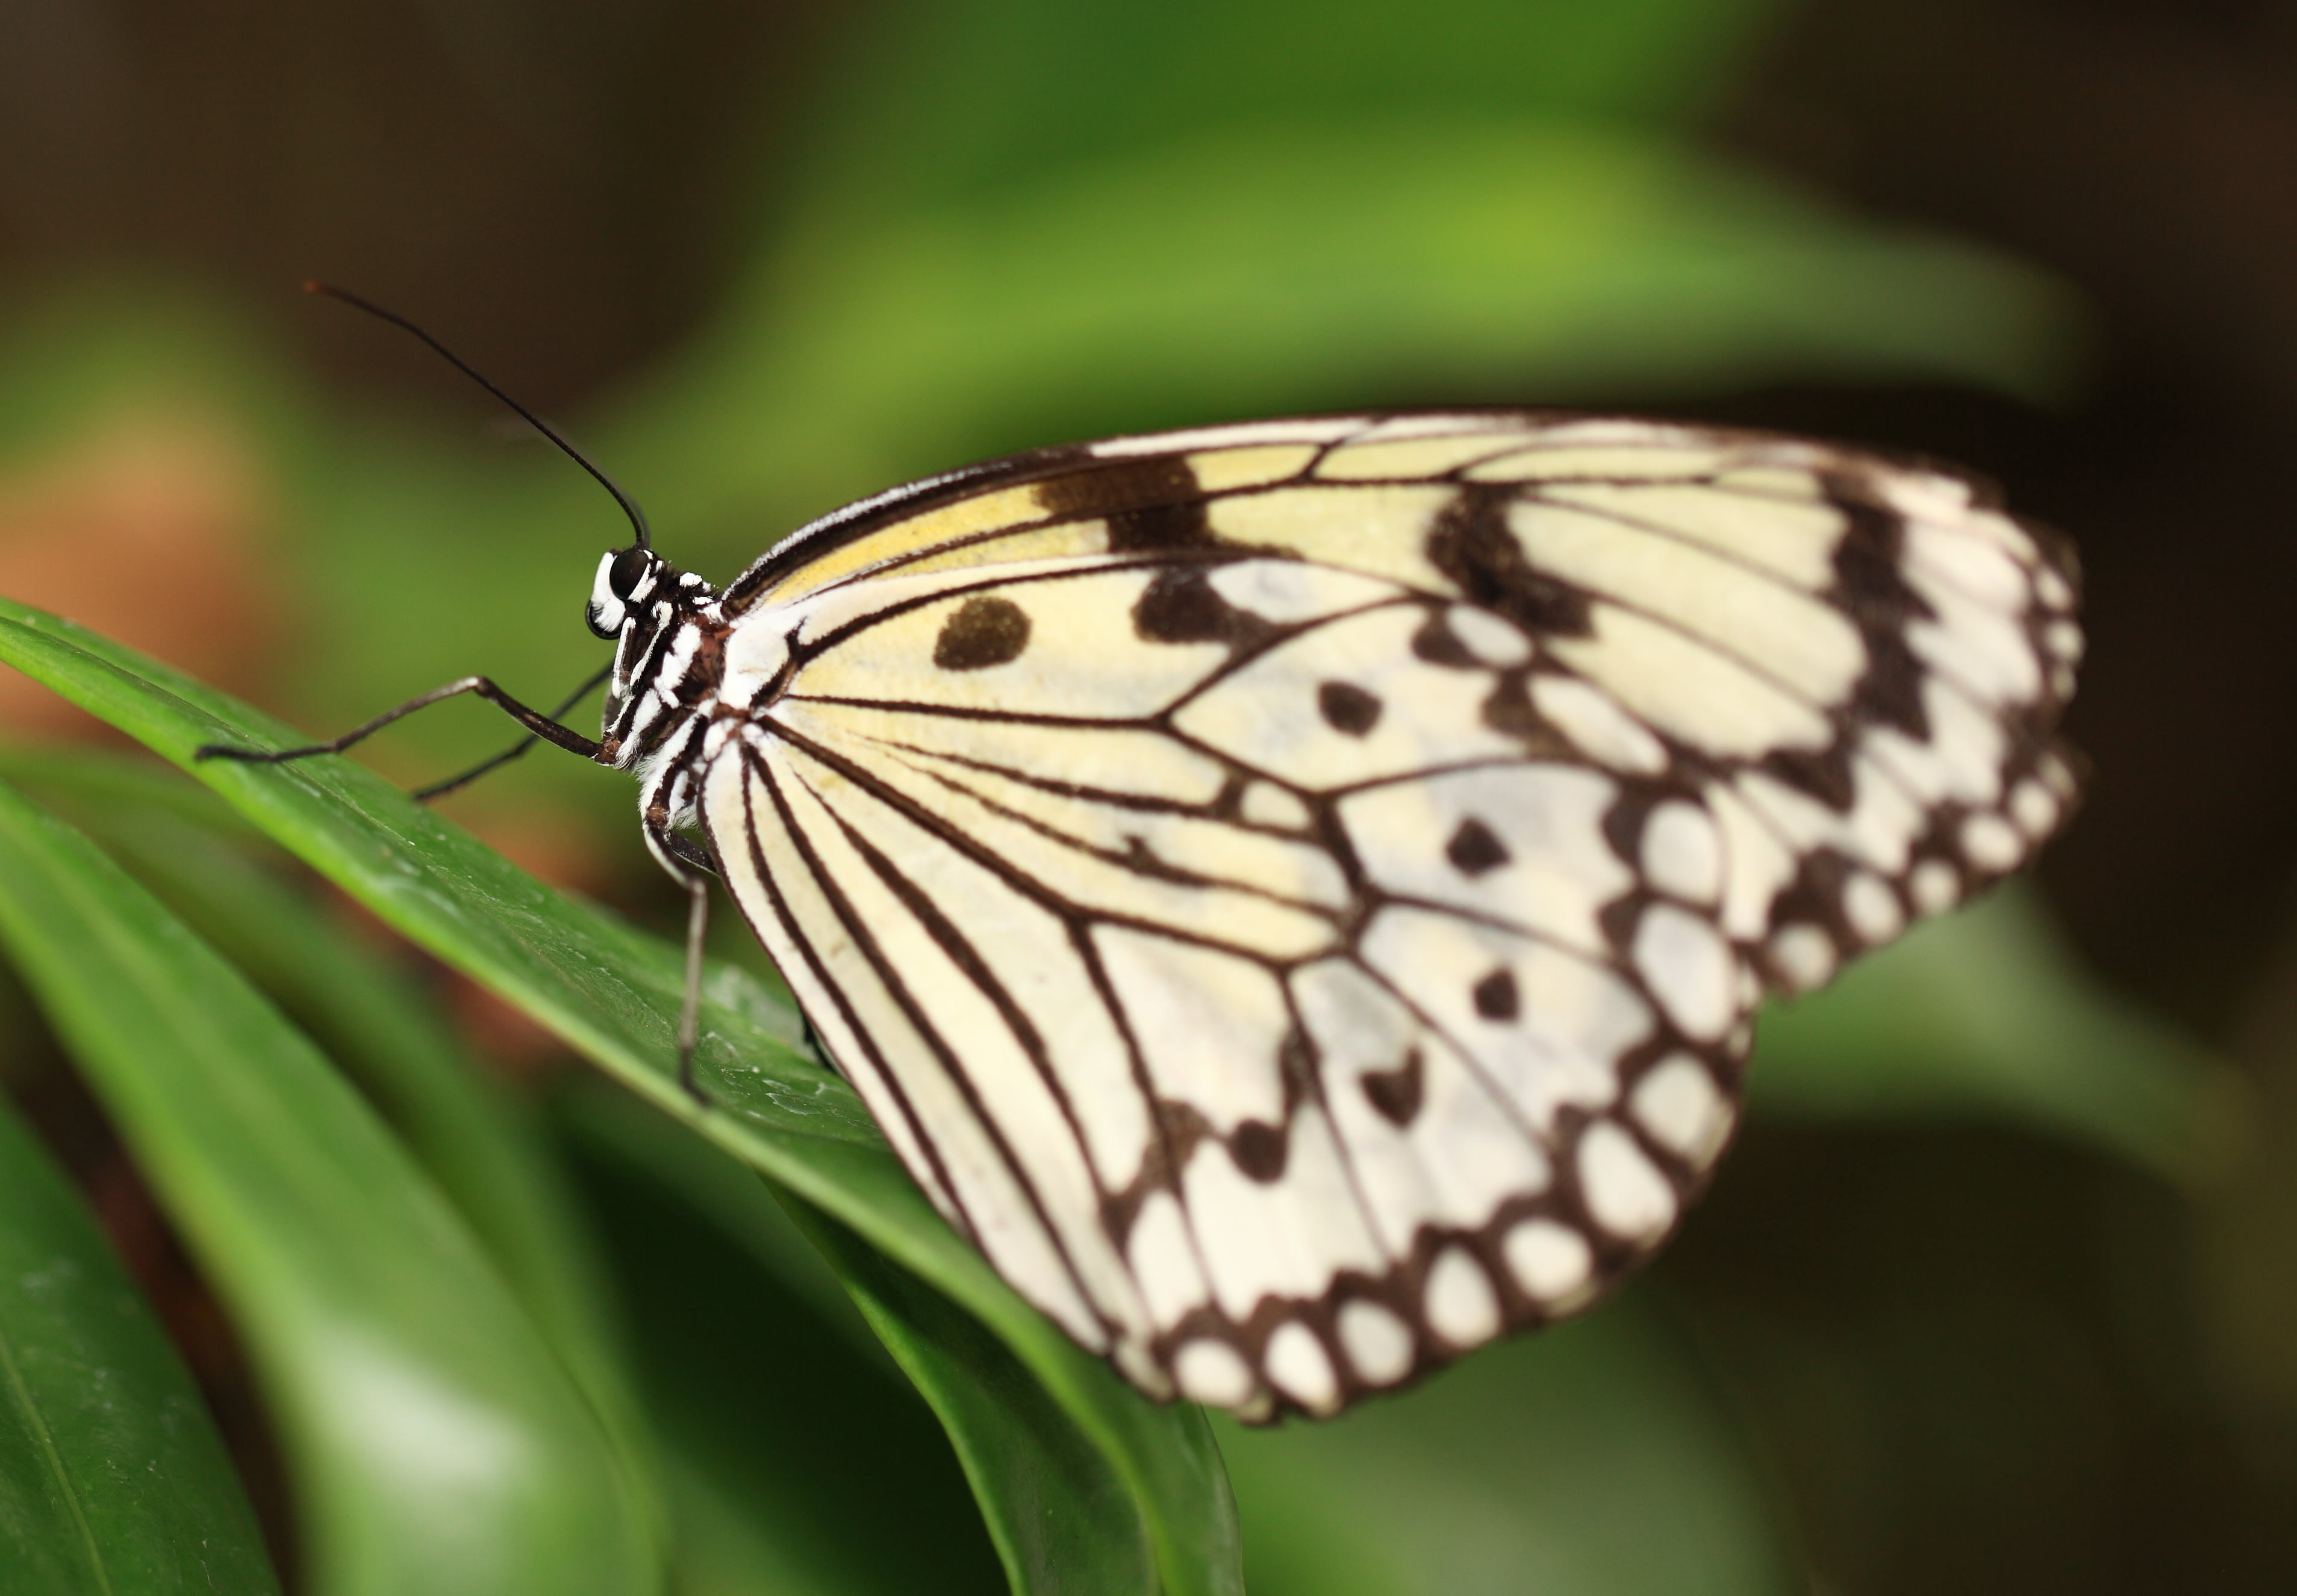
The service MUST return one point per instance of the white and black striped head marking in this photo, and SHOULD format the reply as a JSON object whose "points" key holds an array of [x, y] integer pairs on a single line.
{"points": [[669, 659]]}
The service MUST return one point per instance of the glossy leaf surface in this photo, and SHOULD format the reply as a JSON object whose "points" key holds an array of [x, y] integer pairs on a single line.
{"points": [[612, 992], [435, 1443], [112, 1478]]}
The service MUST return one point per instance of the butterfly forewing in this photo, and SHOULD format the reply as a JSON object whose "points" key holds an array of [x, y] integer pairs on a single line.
{"points": [[1294, 894]]}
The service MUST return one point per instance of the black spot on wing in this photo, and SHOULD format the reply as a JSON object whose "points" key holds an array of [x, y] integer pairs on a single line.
{"points": [[1347, 708], [1510, 712], [1496, 995], [1475, 848], [1181, 605], [1437, 642], [1396, 1094], [1471, 545], [1258, 1150], [1151, 503], [1160, 527], [982, 631]]}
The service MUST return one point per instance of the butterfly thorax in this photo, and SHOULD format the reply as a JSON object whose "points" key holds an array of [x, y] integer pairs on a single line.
{"points": [[669, 659]]}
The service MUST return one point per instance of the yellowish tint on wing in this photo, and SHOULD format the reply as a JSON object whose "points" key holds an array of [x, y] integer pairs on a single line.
{"points": [[1412, 456], [1797, 540], [1074, 652], [1788, 634], [1538, 464], [1062, 541], [1377, 530], [964, 518], [1683, 687], [1220, 470]]}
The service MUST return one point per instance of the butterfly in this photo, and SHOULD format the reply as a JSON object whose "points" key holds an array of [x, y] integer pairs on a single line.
{"points": [[1295, 894]]}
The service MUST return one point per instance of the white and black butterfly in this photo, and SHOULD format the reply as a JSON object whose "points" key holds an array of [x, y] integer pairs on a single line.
{"points": [[1294, 894]]}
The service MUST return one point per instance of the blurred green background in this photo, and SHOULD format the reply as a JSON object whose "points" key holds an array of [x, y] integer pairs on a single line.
{"points": [[1998, 1291]]}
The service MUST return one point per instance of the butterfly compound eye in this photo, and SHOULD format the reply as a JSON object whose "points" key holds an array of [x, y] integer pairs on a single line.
{"points": [[620, 577], [630, 567]]}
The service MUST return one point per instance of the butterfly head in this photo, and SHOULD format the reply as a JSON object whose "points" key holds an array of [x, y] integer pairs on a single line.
{"points": [[627, 578]]}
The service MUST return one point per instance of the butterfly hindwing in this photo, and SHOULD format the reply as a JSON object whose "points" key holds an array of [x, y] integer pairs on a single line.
{"points": [[1295, 894]]}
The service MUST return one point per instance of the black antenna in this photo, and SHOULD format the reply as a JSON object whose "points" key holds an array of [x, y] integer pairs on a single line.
{"points": [[629, 505]]}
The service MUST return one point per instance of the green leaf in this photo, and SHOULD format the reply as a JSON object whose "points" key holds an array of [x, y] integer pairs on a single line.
{"points": [[776, 1402], [1986, 1014], [113, 1479], [436, 1443], [606, 1124], [614, 994], [1058, 1514], [728, 1547], [477, 1143], [1590, 1459]]}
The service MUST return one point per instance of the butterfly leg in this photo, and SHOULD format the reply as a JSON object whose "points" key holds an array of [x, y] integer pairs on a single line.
{"points": [[690, 867], [440, 789], [689, 1013], [540, 725]]}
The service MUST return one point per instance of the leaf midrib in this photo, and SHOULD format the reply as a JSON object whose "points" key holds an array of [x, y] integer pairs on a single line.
{"points": [[20, 1397]]}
